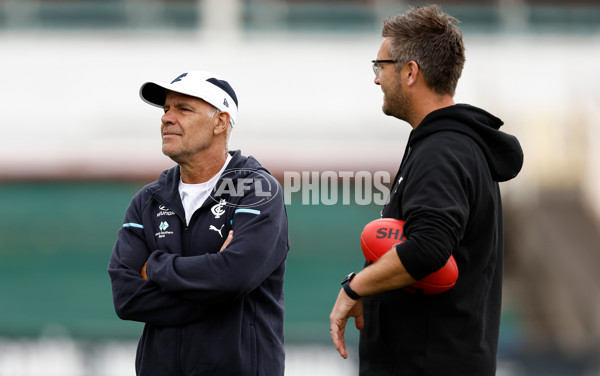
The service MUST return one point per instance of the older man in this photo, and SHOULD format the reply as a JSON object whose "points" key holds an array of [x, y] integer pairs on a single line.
{"points": [[200, 258]]}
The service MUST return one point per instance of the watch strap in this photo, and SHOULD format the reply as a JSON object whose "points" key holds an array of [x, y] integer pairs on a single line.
{"points": [[346, 286]]}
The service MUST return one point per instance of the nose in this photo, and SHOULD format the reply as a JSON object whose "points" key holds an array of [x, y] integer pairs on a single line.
{"points": [[376, 80], [168, 117]]}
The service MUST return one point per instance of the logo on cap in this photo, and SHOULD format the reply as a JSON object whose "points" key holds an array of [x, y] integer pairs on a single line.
{"points": [[179, 78], [225, 102]]}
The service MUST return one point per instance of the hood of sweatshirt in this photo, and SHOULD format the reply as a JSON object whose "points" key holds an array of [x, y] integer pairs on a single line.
{"points": [[502, 151]]}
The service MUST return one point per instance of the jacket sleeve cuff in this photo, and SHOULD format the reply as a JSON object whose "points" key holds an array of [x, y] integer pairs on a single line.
{"points": [[154, 265], [148, 270]]}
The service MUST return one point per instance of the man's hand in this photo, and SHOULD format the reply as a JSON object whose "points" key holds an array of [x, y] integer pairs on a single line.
{"points": [[144, 275], [227, 241], [344, 308]]}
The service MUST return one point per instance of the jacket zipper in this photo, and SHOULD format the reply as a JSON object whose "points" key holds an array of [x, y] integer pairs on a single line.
{"points": [[184, 252]]}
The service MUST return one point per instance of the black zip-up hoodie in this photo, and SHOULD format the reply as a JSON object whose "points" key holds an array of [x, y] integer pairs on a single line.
{"points": [[206, 313], [447, 193]]}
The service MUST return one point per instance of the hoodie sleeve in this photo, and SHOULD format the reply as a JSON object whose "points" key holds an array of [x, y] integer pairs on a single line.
{"points": [[135, 298], [436, 202], [258, 248]]}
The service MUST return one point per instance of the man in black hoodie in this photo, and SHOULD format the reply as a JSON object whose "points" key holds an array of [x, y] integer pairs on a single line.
{"points": [[447, 192], [200, 258]]}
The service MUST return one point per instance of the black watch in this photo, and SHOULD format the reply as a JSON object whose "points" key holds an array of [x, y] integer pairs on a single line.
{"points": [[346, 285]]}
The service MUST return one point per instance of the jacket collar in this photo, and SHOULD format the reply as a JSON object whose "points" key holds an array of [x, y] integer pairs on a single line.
{"points": [[166, 189]]}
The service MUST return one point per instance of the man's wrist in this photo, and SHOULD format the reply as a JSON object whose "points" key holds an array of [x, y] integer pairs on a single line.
{"points": [[346, 286]]}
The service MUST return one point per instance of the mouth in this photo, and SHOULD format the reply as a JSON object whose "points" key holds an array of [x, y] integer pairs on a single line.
{"points": [[170, 135]]}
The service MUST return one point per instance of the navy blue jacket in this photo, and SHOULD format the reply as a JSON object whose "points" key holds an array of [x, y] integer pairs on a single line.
{"points": [[447, 193], [205, 312]]}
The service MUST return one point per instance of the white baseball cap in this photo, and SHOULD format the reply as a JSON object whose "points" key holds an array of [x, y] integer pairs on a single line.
{"points": [[200, 84]]}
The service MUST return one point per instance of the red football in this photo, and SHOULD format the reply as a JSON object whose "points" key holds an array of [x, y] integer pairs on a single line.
{"points": [[380, 235]]}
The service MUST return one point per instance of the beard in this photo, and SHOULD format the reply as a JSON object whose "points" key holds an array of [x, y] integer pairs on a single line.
{"points": [[396, 102]]}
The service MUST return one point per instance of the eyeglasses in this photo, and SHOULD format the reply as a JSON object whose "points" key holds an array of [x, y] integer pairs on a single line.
{"points": [[377, 66]]}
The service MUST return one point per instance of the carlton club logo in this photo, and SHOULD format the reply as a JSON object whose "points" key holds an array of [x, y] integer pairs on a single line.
{"points": [[218, 210], [257, 189]]}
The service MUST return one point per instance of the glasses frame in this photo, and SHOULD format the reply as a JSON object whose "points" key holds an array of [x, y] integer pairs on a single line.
{"points": [[377, 67]]}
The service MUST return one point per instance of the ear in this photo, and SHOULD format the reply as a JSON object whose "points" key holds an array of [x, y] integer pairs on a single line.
{"points": [[222, 123], [412, 73]]}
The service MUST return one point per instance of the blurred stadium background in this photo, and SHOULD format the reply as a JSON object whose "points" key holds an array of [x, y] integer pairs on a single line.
{"points": [[77, 143]]}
